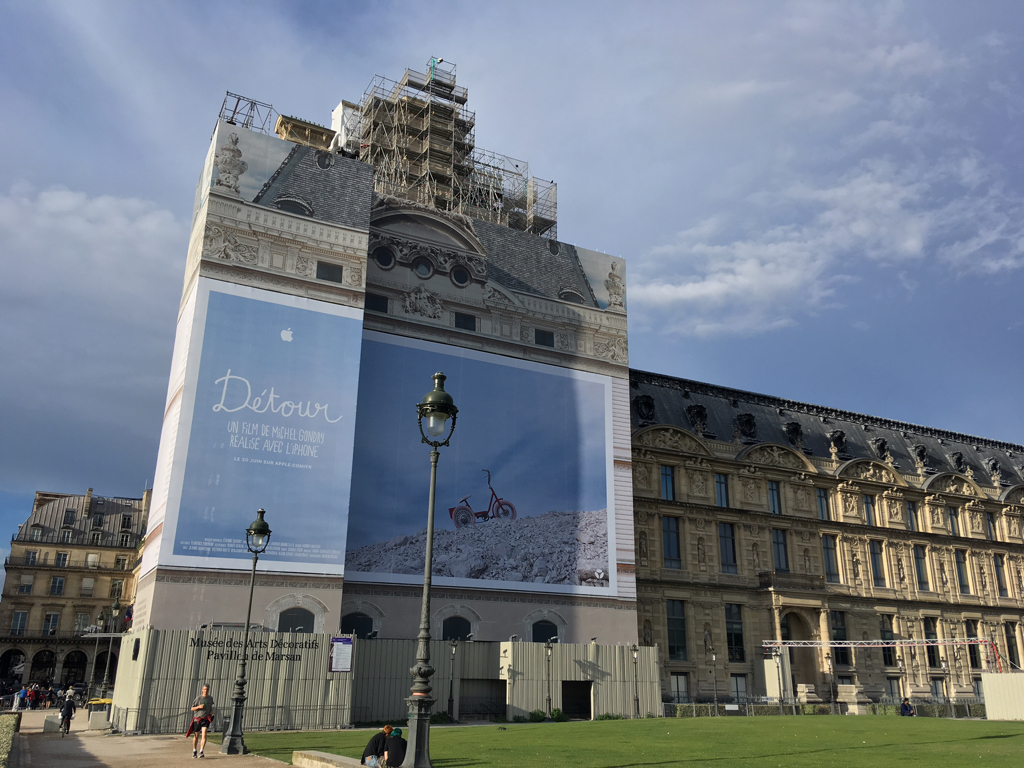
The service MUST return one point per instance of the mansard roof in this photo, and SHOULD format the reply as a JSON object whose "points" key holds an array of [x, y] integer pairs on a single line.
{"points": [[750, 418], [96, 513]]}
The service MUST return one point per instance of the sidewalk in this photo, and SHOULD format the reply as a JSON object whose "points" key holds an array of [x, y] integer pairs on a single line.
{"points": [[94, 749]]}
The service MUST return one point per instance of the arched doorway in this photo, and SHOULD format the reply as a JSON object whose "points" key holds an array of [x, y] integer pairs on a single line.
{"points": [[801, 660], [295, 620], [358, 624], [544, 630], [12, 665], [455, 628], [44, 663], [73, 670], [101, 663]]}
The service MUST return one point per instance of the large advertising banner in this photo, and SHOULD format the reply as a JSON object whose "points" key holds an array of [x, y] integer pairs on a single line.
{"points": [[524, 492], [270, 414]]}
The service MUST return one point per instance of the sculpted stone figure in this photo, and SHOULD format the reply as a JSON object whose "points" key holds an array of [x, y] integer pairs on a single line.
{"points": [[615, 287], [698, 416], [230, 165]]}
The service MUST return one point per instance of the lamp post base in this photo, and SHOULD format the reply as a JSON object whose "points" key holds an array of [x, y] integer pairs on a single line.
{"points": [[234, 742], [418, 753]]}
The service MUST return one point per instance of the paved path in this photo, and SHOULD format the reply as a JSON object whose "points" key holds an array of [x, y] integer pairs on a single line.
{"points": [[84, 749]]}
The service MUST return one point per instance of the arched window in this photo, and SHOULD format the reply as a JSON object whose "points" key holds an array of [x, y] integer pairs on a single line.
{"points": [[74, 667], [358, 624], [455, 628], [44, 664], [295, 620], [543, 631], [12, 664]]}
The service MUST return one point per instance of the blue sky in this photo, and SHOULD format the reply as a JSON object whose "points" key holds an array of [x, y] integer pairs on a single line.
{"points": [[821, 201]]}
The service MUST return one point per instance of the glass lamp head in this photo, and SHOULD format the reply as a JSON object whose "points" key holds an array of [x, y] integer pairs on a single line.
{"points": [[115, 609], [258, 533], [436, 407]]}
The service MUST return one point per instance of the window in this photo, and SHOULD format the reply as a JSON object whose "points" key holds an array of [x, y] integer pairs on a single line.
{"points": [[938, 687], [721, 490], [37, 533], [774, 497], [869, 509], [734, 632], [1010, 628], [543, 338], [30, 556], [125, 540], [97, 521], [990, 526], [121, 563], [823, 504], [877, 569], [126, 522], [358, 624], [780, 554], [88, 585], [680, 689], [50, 623], [25, 588], [423, 268], [69, 516], [545, 631], [961, 571], [116, 587], [668, 483], [96, 539], [885, 633], [18, 622], [384, 258], [828, 551], [374, 302], [456, 628], [931, 633], [954, 521], [328, 271], [727, 547], [465, 321], [739, 688], [57, 585], [973, 657], [676, 619], [670, 541], [81, 622], [997, 561], [837, 620], [65, 536], [892, 688], [911, 516], [921, 568], [460, 276], [60, 560]]}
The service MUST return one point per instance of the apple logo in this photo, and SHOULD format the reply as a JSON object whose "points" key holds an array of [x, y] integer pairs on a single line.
{"points": [[286, 335]]}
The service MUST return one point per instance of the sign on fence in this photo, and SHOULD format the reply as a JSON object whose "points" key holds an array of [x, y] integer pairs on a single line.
{"points": [[341, 654]]}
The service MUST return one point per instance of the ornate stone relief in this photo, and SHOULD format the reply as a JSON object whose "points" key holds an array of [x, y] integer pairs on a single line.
{"points": [[220, 243], [643, 405], [894, 504], [444, 260], [642, 545], [615, 287], [1012, 515], [935, 505], [849, 494], [837, 443], [422, 302], [959, 462], [746, 426], [698, 416], [953, 484], [750, 484], [920, 453], [354, 276], [994, 470], [670, 440], [755, 557], [702, 555], [698, 483], [642, 474], [795, 434], [615, 350], [774, 456], [304, 266], [648, 639], [975, 512], [230, 165], [881, 448], [801, 497], [871, 472]]}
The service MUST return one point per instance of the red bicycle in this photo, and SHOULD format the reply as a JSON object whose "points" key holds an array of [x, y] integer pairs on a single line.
{"points": [[499, 509]]}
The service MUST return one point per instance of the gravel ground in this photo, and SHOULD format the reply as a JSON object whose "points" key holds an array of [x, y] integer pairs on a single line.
{"points": [[555, 548]]}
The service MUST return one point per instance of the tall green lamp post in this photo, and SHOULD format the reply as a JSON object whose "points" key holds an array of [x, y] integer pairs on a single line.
{"points": [[115, 611], [257, 537], [436, 408]]}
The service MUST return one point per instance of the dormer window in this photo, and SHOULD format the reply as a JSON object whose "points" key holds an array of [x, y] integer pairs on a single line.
{"points": [[37, 533], [292, 204], [97, 522], [70, 516], [126, 522]]}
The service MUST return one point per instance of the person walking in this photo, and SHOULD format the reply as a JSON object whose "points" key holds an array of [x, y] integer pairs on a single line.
{"points": [[202, 716], [374, 751]]}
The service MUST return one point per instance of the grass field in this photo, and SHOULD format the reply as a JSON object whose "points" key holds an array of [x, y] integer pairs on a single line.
{"points": [[768, 742]]}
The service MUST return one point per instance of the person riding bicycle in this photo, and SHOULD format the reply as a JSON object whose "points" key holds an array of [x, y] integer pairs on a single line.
{"points": [[67, 711]]}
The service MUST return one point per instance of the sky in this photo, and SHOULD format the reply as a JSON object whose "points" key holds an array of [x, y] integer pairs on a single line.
{"points": [[819, 201]]}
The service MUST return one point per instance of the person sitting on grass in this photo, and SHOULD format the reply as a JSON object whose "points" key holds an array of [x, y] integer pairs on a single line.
{"points": [[374, 751], [394, 750], [905, 709]]}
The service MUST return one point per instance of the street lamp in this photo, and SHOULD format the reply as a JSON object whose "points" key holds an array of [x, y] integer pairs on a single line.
{"points": [[903, 671], [714, 677], [831, 683], [257, 537], [775, 653], [436, 407], [547, 648], [115, 610], [451, 683], [636, 681]]}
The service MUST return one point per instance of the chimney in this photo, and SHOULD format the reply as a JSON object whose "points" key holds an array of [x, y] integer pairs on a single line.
{"points": [[88, 502]]}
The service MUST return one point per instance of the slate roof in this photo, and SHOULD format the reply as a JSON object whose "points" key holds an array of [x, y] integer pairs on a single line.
{"points": [[671, 396], [339, 194], [100, 514], [522, 261]]}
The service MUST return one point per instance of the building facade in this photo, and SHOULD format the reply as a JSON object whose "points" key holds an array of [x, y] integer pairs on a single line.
{"points": [[760, 518], [70, 561]]}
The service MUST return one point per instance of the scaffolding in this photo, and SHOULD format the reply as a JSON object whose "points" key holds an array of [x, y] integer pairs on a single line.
{"points": [[246, 112], [419, 136]]}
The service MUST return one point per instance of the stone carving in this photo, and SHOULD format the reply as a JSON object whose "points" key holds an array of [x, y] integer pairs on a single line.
{"points": [[992, 465], [975, 512], [615, 287], [562, 340], [700, 522], [304, 266], [698, 483], [751, 489], [871, 472], [942, 573], [920, 457], [773, 456], [959, 462], [837, 442], [856, 565], [615, 350], [801, 497], [881, 448], [648, 633], [494, 295], [702, 555], [642, 474], [354, 276], [642, 516], [1013, 521], [849, 495], [422, 302], [643, 547], [807, 560], [230, 165], [524, 333], [746, 424], [805, 536], [698, 416], [222, 244], [935, 506], [954, 485], [899, 570], [755, 556], [794, 433], [894, 504], [644, 407], [984, 576], [671, 440]]}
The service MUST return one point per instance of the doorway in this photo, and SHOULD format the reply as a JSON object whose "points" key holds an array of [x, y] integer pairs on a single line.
{"points": [[576, 698]]}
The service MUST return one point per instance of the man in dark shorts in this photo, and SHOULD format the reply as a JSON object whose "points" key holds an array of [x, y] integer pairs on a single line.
{"points": [[374, 751], [202, 716], [394, 749]]}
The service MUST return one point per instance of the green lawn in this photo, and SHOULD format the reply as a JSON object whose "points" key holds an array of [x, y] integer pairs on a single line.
{"points": [[764, 742]]}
